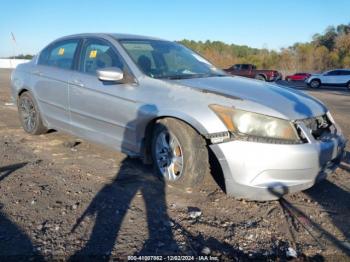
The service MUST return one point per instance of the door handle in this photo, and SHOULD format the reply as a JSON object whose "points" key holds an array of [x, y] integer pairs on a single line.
{"points": [[77, 82]]}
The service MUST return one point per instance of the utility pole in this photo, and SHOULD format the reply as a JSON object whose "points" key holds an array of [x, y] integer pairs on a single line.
{"points": [[13, 46]]}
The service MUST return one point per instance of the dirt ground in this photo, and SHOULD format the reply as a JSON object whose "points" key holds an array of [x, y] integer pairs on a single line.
{"points": [[61, 198]]}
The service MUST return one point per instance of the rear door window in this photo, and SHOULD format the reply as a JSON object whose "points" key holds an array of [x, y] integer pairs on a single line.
{"points": [[333, 73], [60, 54], [345, 72]]}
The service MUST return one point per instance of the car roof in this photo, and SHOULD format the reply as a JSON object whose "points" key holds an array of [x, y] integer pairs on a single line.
{"points": [[339, 69], [113, 35]]}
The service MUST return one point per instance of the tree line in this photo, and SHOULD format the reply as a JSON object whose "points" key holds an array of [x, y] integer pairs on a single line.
{"points": [[328, 50], [21, 56]]}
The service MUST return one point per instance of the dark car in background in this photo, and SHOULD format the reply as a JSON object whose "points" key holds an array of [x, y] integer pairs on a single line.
{"points": [[298, 77], [249, 70]]}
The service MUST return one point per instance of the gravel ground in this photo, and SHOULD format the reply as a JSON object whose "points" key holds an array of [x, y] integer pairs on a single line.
{"points": [[62, 197]]}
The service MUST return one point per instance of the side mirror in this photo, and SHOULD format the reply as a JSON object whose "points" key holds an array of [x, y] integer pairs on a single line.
{"points": [[110, 74]]}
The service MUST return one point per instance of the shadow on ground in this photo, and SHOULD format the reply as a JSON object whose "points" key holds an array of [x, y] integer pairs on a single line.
{"points": [[336, 200], [329, 196], [15, 245], [111, 204], [345, 164], [7, 170]]}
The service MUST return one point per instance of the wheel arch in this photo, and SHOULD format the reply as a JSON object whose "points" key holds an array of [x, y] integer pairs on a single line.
{"points": [[261, 74], [41, 125], [215, 167], [149, 127], [315, 79], [20, 92], [23, 90]]}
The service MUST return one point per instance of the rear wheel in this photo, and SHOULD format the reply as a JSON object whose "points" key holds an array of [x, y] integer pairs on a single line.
{"points": [[348, 85], [29, 115], [315, 83], [179, 153]]}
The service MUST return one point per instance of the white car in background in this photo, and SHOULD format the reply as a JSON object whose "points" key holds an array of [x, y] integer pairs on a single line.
{"points": [[337, 77]]}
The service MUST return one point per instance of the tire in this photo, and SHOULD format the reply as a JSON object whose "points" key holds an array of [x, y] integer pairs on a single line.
{"points": [[29, 115], [188, 146], [288, 79], [260, 77], [315, 83], [348, 85]]}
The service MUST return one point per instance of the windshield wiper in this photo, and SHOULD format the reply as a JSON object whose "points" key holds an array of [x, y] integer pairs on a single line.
{"points": [[217, 75], [174, 77], [188, 76]]}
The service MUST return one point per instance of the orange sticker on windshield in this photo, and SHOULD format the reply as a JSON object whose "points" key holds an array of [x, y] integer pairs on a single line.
{"points": [[93, 53], [61, 51]]}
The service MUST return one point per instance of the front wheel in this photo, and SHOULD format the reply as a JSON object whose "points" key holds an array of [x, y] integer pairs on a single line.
{"points": [[315, 83], [29, 115], [260, 77], [179, 153]]}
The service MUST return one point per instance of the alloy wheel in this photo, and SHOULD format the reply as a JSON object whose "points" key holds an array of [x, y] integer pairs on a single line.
{"points": [[315, 84], [28, 113], [169, 156]]}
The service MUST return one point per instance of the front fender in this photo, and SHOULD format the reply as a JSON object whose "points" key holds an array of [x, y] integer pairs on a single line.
{"points": [[145, 127], [203, 126]]}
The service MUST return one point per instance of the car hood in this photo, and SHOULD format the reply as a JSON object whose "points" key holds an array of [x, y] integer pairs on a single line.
{"points": [[272, 99]]}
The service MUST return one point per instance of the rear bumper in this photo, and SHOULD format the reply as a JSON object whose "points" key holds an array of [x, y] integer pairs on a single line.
{"points": [[260, 171]]}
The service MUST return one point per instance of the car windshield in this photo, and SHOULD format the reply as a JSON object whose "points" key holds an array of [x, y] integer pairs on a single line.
{"points": [[168, 60]]}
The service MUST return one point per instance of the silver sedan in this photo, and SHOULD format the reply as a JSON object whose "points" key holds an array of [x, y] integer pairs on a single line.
{"points": [[160, 101]]}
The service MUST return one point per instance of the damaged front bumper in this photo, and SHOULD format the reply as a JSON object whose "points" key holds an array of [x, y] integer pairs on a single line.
{"points": [[262, 171]]}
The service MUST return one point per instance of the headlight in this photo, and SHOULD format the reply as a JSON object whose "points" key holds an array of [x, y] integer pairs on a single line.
{"points": [[337, 127], [248, 123]]}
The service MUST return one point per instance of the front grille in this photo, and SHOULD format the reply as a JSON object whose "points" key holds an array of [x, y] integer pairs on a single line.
{"points": [[320, 126]]}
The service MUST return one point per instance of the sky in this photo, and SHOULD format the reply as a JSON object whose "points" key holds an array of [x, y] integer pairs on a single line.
{"points": [[271, 24]]}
